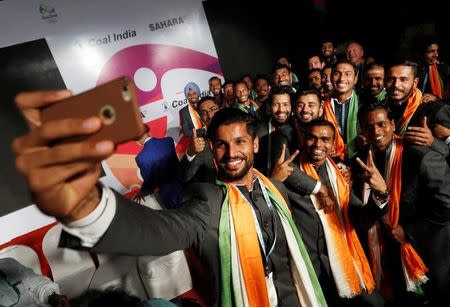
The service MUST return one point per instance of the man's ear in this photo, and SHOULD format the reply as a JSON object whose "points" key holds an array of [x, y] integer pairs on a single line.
{"points": [[256, 144], [416, 82], [321, 109]]}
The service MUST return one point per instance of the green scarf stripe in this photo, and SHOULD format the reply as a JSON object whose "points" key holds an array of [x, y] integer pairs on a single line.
{"points": [[352, 123], [225, 249], [282, 210], [381, 95]]}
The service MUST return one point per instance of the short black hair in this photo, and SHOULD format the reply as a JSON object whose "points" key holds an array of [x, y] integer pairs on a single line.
{"points": [[321, 123], [281, 90], [404, 62], [280, 66], [343, 61], [229, 116], [376, 105], [372, 66], [228, 82], [214, 78], [306, 92], [203, 99], [262, 77]]}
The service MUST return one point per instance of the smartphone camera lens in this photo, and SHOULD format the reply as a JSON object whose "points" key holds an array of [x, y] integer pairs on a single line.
{"points": [[107, 114]]}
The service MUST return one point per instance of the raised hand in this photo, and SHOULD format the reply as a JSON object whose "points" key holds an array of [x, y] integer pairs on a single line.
{"points": [[420, 135], [427, 97], [62, 178], [197, 144], [281, 169], [371, 175]]}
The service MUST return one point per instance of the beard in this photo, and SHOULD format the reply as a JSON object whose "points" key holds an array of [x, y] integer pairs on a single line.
{"points": [[231, 176]]}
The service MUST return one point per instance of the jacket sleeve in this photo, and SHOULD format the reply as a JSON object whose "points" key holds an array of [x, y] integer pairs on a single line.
{"points": [[138, 230]]}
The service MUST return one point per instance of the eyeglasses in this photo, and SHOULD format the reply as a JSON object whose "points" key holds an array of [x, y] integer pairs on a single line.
{"points": [[211, 110]]}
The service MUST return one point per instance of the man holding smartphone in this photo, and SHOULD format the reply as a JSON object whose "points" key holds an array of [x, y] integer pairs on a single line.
{"points": [[63, 179]]}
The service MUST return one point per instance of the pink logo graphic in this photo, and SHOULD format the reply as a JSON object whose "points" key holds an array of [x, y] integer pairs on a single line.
{"points": [[158, 59]]}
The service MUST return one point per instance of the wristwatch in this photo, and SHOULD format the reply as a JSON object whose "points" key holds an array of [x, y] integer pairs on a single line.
{"points": [[382, 197]]}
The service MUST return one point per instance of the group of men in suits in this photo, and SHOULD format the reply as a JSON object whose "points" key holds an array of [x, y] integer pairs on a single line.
{"points": [[324, 236]]}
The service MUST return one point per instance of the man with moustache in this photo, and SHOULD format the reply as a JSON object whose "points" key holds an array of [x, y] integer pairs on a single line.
{"points": [[308, 107], [330, 237], [373, 84], [214, 218], [282, 76], [215, 88], [420, 123], [189, 117], [415, 234], [327, 52], [280, 121], [433, 75], [245, 103]]}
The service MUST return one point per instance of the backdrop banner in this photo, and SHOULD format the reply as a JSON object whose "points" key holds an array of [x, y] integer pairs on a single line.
{"points": [[160, 45]]}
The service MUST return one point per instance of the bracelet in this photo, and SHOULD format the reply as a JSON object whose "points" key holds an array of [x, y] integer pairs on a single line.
{"points": [[383, 197]]}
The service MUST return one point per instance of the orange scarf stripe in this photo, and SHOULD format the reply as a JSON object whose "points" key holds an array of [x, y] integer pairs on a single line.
{"points": [[249, 250], [328, 114], [412, 260], [435, 81], [195, 117], [349, 240], [411, 107]]}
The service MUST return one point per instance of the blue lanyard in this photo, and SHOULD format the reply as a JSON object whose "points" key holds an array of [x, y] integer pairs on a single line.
{"points": [[258, 226]]}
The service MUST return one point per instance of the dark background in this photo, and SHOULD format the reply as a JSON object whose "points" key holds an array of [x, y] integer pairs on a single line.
{"points": [[249, 36]]}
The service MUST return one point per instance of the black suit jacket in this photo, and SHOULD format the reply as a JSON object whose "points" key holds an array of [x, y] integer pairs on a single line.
{"points": [[186, 122], [269, 152], [311, 229], [201, 169], [425, 211], [138, 230]]}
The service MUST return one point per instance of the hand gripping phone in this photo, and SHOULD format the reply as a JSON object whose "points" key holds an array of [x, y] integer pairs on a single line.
{"points": [[115, 103]]}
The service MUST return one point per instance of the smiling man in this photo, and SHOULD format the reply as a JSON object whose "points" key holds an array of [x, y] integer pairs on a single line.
{"points": [[342, 108], [416, 230], [330, 237], [280, 115], [213, 219]]}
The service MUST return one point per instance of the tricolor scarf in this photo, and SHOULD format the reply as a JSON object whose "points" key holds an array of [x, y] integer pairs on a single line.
{"points": [[349, 265], [412, 104], [414, 269], [352, 123], [242, 270], [195, 117], [252, 105], [381, 96], [436, 83]]}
